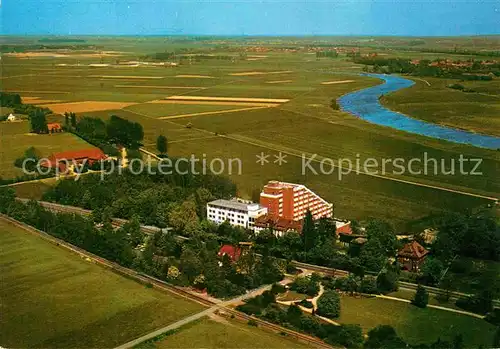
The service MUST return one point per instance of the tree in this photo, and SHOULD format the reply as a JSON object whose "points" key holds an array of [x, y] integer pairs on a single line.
{"points": [[309, 233], [383, 232], [372, 255], [384, 336], [421, 297], [72, 117], [387, 281], [38, 121], [127, 133], [432, 270], [162, 144], [329, 304], [496, 339]]}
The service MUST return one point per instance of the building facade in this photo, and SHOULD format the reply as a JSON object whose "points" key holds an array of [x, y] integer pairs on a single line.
{"points": [[237, 212], [292, 201]]}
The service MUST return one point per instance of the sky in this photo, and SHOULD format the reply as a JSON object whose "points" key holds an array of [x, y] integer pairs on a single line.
{"points": [[250, 17]]}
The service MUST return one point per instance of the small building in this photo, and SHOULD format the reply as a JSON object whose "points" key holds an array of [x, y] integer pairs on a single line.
{"points": [[278, 225], [63, 159], [11, 117], [54, 127], [237, 212], [343, 227], [233, 252], [412, 255]]}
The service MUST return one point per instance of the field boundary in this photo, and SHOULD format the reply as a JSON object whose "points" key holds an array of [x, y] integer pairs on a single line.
{"points": [[210, 113], [319, 158]]}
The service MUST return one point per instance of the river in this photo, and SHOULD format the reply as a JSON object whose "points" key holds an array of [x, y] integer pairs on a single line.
{"points": [[365, 104]]}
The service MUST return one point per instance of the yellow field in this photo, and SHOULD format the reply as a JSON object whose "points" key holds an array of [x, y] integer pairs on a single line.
{"points": [[229, 99], [38, 100], [87, 106], [278, 81], [164, 87], [251, 73], [336, 82], [243, 104], [194, 76], [125, 77]]}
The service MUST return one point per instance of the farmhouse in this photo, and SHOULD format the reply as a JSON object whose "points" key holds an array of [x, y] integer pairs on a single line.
{"points": [[412, 255], [54, 127], [63, 159]]}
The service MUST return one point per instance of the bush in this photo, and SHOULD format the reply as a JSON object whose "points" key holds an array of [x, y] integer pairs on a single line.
{"points": [[421, 297], [383, 336], [277, 289], [475, 304], [368, 285], [307, 285], [306, 304], [456, 86], [387, 281], [252, 322], [493, 317], [329, 304]]}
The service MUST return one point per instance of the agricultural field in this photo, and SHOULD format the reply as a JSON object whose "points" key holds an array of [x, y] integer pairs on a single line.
{"points": [[211, 116], [413, 323], [432, 100], [217, 332], [54, 298], [15, 138]]}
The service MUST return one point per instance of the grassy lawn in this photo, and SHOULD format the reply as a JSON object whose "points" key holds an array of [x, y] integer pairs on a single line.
{"points": [[222, 333], [52, 298], [33, 189], [15, 139], [292, 296], [414, 324], [477, 112]]}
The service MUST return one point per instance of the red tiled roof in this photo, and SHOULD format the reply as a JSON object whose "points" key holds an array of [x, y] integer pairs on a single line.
{"points": [[54, 126], [94, 154], [280, 223], [91, 154], [413, 250], [233, 252], [345, 229]]}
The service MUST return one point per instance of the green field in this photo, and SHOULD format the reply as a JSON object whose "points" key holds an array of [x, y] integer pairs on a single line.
{"points": [[304, 125], [414, 324], [52, 298], [223, 333], [15, 138], [477, 112]]}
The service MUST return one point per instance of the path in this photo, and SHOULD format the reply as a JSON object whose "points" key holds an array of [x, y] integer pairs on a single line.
{"points": [[210, 113], [314, 300], [427, 82], [463, 312]]}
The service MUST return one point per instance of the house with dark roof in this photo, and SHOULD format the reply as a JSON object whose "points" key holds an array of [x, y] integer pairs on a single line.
{"points": [[412, 255]]}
